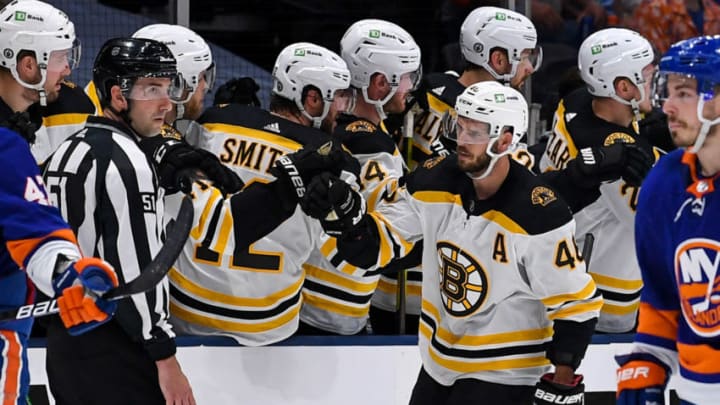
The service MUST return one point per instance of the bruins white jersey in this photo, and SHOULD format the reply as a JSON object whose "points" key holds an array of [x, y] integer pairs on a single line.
{"points": [[338, 299], [61, 118], [253, 295], [496, 272], [611, 217]]}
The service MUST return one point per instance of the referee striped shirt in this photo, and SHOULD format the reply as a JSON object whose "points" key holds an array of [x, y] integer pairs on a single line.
{"points": [[106, 189]]}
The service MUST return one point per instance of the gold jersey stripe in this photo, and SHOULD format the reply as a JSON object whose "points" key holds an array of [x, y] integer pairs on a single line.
{"points": [[470, 340], [470, 366], [391, 288], [620, 309], [234, 326], [583, 294], [189, 287], [562, 129], [65, 119], [334, 307], [577, 309], [253, 133], [334, 278], [617, 283]]}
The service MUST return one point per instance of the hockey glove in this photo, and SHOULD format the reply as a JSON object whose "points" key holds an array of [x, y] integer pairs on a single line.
{"points": [[173, 158], [548, 392], [641, 379], [339, 208], [21, 123], [595, 165], [294, 171], [80, 288], [638, 163]]}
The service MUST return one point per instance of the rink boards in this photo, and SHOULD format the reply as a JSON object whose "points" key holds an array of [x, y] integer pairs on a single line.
{"points": [[364, 370]]}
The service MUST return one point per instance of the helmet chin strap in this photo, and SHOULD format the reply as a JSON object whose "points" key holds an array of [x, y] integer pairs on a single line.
{"points": [[378, 104], [634, 103], [504, 78], [39, 87], [494, 158], [179, 111], [704, 128]]}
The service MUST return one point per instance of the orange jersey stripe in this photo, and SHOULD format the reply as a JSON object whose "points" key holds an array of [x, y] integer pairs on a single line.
{"points": [[11, 368], [701, 359], [20, 249], [656, 322]]}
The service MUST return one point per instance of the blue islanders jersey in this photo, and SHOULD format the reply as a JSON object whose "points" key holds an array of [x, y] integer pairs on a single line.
{"points": [[677, 237], [27, 220]]}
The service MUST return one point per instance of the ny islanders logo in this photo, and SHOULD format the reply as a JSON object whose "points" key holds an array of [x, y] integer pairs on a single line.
{"points": [[696, 271], [463, 282]]}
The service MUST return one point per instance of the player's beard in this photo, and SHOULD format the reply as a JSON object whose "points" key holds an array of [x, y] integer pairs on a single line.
{"points": [[681, 133], [477, 165], [193, 108]]}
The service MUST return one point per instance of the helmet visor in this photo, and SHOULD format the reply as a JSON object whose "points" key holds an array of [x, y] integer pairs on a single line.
{"points": [[60, 60], [409, 81], [342, 99], [677, 87], [209, 75], [171, 88], [532, 56], [464, 130]]}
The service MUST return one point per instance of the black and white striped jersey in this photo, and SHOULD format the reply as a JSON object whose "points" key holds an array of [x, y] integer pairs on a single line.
{"points": [[106, 188]]}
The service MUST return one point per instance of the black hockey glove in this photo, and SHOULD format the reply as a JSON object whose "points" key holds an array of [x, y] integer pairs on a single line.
{"points": [[548, 392], [21, 123], [339, 208], [594, 165], [295, 170], [174, 158], [638, 163]]}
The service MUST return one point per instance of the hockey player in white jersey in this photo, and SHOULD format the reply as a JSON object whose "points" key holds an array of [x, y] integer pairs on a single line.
{"points": [[253, 294], [384, 64], [617, 66], [497, 44], [505, 293], [40, 51]]}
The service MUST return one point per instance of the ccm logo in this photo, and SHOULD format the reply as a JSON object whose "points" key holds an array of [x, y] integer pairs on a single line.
{"points": [[294, 174], [39, 309], [633, 373], [549, 397]]}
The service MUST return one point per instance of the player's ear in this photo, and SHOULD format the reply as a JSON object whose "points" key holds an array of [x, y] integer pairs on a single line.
{"points": [[499, 61], [27, 68], [313, 100], [379, 86], [117, 100], [505, 140]]}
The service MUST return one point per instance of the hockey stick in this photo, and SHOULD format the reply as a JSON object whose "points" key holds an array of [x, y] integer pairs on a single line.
{"points": [[149, 277], [587, 249]]}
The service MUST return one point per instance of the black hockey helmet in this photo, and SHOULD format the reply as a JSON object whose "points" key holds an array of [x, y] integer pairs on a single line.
{"points": [[123, 60]]}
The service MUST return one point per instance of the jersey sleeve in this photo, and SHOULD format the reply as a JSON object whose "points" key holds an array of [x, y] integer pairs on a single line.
{"points": [[391, 232], [29, 222], [557, 274]]}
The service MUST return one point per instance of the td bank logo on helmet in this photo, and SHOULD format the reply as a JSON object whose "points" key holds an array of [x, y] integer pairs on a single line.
{"points": [[696, 272]]}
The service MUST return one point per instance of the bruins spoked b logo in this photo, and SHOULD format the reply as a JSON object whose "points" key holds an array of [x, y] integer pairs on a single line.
{"points": [[463, 282]]}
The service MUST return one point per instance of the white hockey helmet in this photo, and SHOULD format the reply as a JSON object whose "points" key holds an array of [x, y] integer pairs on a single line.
{"points": [[304, 64], [614, 53], [498, 107], [377, 46], [487, 28], [42, 29], [190, 50]]}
